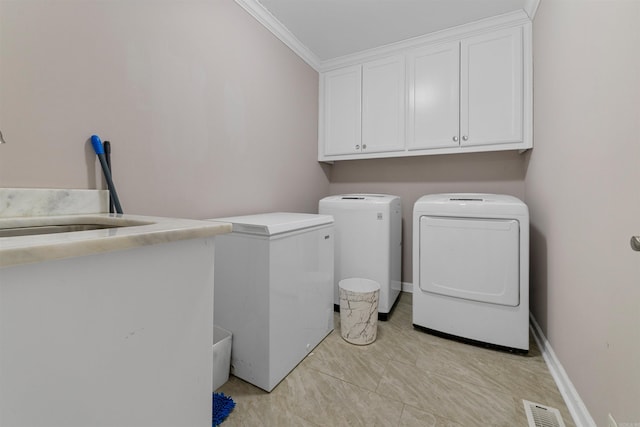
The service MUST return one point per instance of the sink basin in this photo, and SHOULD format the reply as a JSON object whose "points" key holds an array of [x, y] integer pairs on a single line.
{"points": [[50, 229], [49, 225]]}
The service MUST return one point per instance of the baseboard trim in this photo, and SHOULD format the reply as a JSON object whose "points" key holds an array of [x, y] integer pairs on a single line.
{"points": [[576, 406], [407, 287]]}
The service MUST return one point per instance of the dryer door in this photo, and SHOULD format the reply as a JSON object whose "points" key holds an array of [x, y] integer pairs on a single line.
{"points": [[471, 258]]}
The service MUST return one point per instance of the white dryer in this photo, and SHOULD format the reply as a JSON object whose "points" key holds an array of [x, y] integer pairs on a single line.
{"points": [[471, 267]]}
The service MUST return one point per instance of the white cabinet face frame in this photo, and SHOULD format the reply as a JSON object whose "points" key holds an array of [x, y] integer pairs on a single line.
{"points": [[491, 88], [340, 121], [383, 105], [434, 96]]}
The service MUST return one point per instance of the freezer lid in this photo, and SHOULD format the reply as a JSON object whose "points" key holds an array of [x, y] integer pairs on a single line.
{"points": [[273, 223]]}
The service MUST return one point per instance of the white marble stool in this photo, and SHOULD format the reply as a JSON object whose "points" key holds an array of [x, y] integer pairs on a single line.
{"points": [[359, 310]]}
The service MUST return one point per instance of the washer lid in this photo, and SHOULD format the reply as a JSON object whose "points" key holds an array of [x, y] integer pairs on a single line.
{"points": [[361, 197], [270, 224]]}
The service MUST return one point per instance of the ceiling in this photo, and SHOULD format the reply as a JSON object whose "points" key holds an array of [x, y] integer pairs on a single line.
{"points": [[329, 29]]}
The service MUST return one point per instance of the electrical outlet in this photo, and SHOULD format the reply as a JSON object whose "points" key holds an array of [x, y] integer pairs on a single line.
{"points": [[612, 421]]}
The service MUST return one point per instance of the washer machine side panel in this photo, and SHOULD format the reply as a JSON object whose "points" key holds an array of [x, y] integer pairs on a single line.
{"points": [[362, 245]]}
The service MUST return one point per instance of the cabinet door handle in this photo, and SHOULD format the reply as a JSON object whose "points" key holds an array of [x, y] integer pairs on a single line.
{"points": [[635, 243], [364, 146], [465, 137], [455, 139]]}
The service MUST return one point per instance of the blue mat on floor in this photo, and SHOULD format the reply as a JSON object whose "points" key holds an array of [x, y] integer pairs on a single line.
{"points": [[222, 407]]}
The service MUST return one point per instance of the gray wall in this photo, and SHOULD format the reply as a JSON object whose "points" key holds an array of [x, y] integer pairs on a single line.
{"points": [[583, 191], [208, 113]]}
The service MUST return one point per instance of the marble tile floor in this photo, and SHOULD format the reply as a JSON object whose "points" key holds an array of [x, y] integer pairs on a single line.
{"points": [[405, 378]]}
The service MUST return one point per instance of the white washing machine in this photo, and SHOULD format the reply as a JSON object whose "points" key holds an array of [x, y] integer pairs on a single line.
{"points": [[368, 243], [471, 267], [274, 291]]}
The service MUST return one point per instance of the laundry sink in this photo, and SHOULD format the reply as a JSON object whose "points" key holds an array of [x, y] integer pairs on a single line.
{"points": [[15, 227]]}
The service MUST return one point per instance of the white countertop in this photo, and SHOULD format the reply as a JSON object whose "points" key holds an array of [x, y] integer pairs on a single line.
{"points": [[41, 207], [147, 231]]}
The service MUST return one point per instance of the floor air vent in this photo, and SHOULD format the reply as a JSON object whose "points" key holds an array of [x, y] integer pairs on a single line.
{"points": [[542, 416]]}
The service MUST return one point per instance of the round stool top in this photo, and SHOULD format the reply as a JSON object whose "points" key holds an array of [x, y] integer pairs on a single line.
{"points": [[359, 284]]}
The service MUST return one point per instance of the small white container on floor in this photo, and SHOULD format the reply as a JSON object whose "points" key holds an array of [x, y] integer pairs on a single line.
{"points": [[359, 310], [221, 356]]}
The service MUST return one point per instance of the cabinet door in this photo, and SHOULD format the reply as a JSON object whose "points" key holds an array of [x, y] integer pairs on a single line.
{"points": [[491, 88], [434, 96], [341, 124], [383, 105]]}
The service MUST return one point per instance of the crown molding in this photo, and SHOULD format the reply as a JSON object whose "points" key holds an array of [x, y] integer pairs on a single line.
{"points": [[518, 17], [263, 16], [531, 7]]}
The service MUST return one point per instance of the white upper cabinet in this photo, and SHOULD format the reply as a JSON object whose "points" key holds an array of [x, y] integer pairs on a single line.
{"points": [[383, 105], [341, 112], [463, 91], [491, 102], [466, 93], [363, 108], [434, 96]]}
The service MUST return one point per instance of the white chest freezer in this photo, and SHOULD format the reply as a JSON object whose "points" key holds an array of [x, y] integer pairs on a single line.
{"points": [[274, 291], [368, 242]]}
